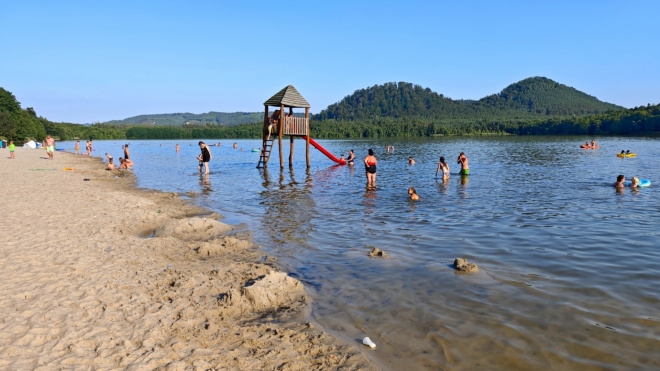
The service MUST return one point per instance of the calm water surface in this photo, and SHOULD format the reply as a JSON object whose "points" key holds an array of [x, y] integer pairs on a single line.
{"points": [[569, 267]]}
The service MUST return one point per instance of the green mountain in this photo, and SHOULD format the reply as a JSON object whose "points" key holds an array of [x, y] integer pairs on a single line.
{"points": [[179, 119], [17, 123], [534, 97]]}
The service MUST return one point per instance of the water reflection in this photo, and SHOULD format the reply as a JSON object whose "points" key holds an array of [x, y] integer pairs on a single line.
{"points": [[205, 184], [288, 210]]}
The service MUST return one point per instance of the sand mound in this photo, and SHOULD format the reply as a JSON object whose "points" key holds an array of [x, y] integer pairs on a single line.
{"points": [[193, 229], [464, 266], [224, 245], [267, 293]]}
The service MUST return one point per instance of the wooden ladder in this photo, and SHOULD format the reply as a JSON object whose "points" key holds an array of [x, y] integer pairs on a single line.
{"points": [[265, 153]]}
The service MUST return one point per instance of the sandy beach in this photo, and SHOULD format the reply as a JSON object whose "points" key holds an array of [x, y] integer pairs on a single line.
{"points": [[100, 275]]}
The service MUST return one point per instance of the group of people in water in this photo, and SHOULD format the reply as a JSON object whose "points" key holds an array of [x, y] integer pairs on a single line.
{"points": [[371, 163], [592, 145], [125, 163], [622, 178]]}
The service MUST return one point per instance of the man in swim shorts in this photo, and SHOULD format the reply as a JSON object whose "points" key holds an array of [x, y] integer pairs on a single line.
{"points": [[50, 146], [619, 181], [463, 160]]}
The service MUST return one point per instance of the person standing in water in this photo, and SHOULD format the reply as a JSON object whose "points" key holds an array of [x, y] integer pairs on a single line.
{"points": [[206, 156], [177, 148], [413, 194], [77, 147], [442, 165], [463, 160], [125, 148], [88, 148], [351, 158], [370, 163]]}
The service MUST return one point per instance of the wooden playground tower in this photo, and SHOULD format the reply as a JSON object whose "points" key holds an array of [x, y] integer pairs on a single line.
{"points": [[291, 126]]}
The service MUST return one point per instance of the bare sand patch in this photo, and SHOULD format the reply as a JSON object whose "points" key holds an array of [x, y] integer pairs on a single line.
{"points": [[83, 288]]}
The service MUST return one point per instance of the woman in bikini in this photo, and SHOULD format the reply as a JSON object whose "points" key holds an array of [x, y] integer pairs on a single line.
{"points": [[370, 163], [413, 194], [351, 158], [442, 165]]}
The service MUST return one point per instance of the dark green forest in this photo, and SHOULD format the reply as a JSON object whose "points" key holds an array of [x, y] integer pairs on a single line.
{"points": [[180, 119], [535, 106], [527, 99]]}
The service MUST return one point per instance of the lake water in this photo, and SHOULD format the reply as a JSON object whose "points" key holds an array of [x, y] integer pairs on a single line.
{"points": [[569, 267]]}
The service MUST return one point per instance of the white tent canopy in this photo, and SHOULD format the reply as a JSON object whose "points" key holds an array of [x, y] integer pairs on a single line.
{"points": [[30, 144]]}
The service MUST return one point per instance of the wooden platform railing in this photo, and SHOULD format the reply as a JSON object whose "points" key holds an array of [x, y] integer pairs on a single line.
{"points": [[295, 126]]}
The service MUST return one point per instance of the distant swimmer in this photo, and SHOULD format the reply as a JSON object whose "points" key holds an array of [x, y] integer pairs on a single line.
{"points": [[235, 145], [463, 160], [177, 147], [442, 165], [635, 182], [413, 194], [619, 181], [370, 163], [594, 144], [351, 158], [411, 161]]}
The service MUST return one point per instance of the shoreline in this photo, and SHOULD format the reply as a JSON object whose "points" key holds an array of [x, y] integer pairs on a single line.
{"points": [[101, 274]]}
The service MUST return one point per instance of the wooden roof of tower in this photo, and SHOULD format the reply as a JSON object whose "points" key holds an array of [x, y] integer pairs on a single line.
{"points": [[289, 97]]}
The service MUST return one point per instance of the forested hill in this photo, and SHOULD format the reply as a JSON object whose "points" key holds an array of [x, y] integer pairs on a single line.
{"points": [[179, 119], [535, 97]]}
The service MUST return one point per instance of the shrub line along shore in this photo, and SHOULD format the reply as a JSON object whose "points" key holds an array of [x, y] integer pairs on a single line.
{"points": [[98, 274]]}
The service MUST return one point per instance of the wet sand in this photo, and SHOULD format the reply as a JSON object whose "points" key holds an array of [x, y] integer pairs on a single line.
{"points": [[100, 275]]}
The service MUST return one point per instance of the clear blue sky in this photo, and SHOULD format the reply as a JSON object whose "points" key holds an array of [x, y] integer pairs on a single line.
{"points": [[92, 61]]}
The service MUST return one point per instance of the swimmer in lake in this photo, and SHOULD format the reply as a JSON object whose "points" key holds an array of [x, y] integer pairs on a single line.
{"points": [[413, 194], [341, 158], [351, 158], [635, 182], [619, 181], [177, 148], [442, 165], [411, 161], [370, 163]]}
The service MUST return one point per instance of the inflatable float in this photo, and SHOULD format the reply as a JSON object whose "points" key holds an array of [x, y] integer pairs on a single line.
{"points": [[622, 155], [642, 183]]}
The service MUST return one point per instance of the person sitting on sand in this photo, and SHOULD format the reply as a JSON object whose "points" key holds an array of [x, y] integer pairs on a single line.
{"points": [[463, 160], [413, 194], [125, 164], [442, 165], [619, 181], [411, 161], [635, 182]]}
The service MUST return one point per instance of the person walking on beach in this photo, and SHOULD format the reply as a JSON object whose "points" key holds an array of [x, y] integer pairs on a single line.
{"points": [[463, 160], [370, 163], [77, 147], [206, 156], [442, 165], [50, 146], [12, 148]]}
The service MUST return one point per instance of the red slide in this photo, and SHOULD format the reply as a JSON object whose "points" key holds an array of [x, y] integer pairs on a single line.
{"points": [[324, 151]]}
